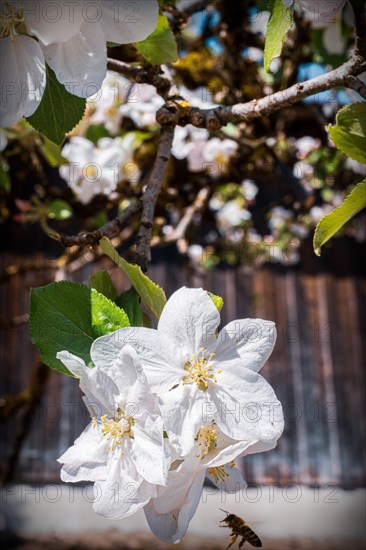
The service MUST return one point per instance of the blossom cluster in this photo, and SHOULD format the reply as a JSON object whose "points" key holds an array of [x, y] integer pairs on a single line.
{"points": [[170, 407], [71, 38]]}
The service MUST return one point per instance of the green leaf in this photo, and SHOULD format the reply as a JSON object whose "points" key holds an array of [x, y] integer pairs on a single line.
{"points": [[59, 210], [217, 300], [59, 111], [279, 23], [332, 222], [349, 133], [106, 316], [95, 132], [161, 46], [102, 282], [60, 319], [52, 153], [130, 302], [152, 295]]}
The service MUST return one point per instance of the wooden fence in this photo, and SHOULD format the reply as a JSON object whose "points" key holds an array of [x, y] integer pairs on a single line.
{"points": [[316, 369]]}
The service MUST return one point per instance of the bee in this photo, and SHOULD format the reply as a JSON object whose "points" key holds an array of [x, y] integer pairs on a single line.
{"points": [[240, 529]]}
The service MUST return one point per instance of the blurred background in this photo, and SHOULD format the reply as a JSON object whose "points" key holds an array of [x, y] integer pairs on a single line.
{"points": [[236, 216]]}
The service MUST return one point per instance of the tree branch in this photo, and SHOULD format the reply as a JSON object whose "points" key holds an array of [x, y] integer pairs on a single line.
{"points": [[213, 119], [110, 229], [155, 182], [186, 220], [355, 84], [150, 75]]}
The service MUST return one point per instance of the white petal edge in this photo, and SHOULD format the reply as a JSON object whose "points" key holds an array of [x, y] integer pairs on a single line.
{"points": [[52, 22], [190, 318], [251, 340], [23, 78], [127, 22], [161, 360], [80, 64]]}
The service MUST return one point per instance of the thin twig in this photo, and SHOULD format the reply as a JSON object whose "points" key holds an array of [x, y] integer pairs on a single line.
{"points": [[155, 182], [150, 75], [213, 119], [110, 229], [182, 227]]}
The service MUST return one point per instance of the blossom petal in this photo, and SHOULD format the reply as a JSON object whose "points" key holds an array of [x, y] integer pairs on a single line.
{"points": [[251, 340], [172, 525], [232, 483], [52, 21], [147, 451], [101, 391], [183, 409], [231, 451], [161, 360], [164, 526], [121, 495], [80, 63], [86, 459], [246, 408], [23, 78], [191, 319], [127, 22]]}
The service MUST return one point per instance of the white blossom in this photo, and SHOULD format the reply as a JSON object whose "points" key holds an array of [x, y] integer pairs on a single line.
{"points": [[232, 214], [104, 105], [213, 456], [122, 449], [200, 377], [97, 169], [73, 45], [201, 152], [250, 189], [141, 105]]}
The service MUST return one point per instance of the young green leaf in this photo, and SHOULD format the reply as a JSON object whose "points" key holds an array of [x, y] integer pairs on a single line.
{"points": [[59, 210], [152, 295], [279, 23], [130, 302], [52, 153], [106, 315], [59, 111], [217, 300], [161, 46], [60, 319], [102, 282], [332, 222], [349, 132]]}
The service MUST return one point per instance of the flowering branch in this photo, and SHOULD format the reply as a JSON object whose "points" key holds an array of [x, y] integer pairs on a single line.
{"points": [[155, 182], [110, 229], [213, 119]]}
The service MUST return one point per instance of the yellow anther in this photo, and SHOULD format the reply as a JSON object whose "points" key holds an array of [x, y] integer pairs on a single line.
{"points": [[207, 440], [218, 473], [115, 429], [199, 371]]}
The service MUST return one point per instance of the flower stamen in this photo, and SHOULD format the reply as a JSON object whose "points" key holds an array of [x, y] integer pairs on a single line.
{"points": [[199, 370], [207, 440], [218, 473], [115, 429]]}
